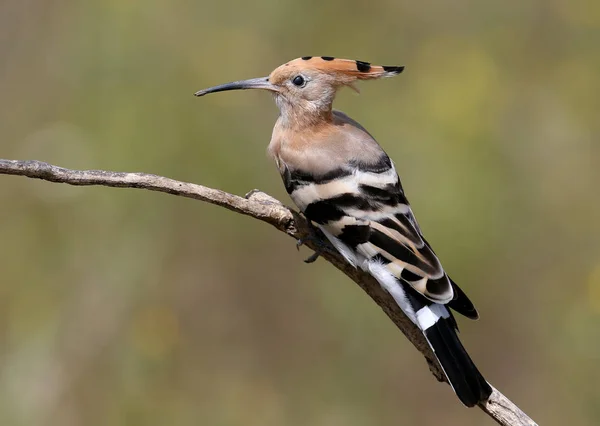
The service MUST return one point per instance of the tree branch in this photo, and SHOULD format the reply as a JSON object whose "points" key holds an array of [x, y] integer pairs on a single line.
{"points": [[267, 209]]}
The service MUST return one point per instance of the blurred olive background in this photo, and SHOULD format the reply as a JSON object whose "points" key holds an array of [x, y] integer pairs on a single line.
{"points": [[127, 307]]}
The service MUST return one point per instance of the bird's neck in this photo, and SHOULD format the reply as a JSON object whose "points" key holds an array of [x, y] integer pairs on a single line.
{"points": [[302, 115]]}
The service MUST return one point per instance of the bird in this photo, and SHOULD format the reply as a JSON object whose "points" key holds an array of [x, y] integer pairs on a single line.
{"points": [[345, 184]]}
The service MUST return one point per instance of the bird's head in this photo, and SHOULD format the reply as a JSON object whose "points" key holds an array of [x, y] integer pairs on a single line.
{"points": [[304, 88]]}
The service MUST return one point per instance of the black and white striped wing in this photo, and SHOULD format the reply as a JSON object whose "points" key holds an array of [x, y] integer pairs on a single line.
{"points": [[363, 211]]}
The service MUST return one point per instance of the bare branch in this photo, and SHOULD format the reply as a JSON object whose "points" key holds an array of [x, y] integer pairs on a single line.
{"points": [[267, 209]]}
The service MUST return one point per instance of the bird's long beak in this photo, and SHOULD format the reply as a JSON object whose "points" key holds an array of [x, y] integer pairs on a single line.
{"points": [[253, 83]]}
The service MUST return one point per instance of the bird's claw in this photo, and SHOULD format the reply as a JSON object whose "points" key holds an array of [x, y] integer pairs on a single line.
{"points": [[312, 257], [301, 242]]}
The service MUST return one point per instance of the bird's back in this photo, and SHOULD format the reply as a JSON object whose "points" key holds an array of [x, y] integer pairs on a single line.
{"points": [[314, 149]]}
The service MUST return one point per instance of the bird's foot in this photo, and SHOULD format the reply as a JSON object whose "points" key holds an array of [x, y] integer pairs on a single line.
{"points": [[303, 241], [312, 238], [312, 258]]}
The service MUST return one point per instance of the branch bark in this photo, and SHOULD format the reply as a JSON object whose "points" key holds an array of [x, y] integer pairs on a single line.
{"points": [[263, 207]]}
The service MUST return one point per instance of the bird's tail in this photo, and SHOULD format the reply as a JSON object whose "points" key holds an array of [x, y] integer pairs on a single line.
{"points": [[464, 377]]}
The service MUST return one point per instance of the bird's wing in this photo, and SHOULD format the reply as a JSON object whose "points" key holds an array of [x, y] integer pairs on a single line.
{"points": [[364, 212]]}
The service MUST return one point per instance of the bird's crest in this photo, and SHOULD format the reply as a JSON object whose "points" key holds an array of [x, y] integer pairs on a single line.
{"points": [[345, 70]]}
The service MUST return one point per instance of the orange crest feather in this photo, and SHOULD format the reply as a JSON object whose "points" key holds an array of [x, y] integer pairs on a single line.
{"points": [[346, 67]]}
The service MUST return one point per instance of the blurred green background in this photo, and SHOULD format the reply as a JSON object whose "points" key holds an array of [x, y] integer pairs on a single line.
{"points": [[126, 307]]}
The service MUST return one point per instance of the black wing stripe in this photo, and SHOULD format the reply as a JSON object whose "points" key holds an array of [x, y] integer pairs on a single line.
{"points": [[318, 179], [306, 178], [409, 229], [385, 195], [331, 209], [349, 200], [297, 178], [353, 235], [439, 286], [410, 276], [392, 224], [394, 248], [323, 212]]}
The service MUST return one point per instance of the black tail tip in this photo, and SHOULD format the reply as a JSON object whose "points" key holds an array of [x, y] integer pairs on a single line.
{"points": [[474, 395], [468, 383]]}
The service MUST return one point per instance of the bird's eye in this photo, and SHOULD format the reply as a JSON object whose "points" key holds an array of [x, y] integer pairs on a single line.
{"points": [[299, 81]]}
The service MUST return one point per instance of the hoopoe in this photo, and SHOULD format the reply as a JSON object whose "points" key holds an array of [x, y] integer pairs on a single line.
{"points": [[343, 181]]}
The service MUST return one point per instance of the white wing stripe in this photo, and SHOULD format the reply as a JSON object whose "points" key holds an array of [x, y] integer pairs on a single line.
{"points": [[307, 194]]}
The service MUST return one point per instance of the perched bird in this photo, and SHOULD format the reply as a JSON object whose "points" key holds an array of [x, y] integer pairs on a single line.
{"points": [[343, 181]]}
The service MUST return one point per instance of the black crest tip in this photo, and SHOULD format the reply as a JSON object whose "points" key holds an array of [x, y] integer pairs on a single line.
{"points": [[393, 69], [363, 66]]}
